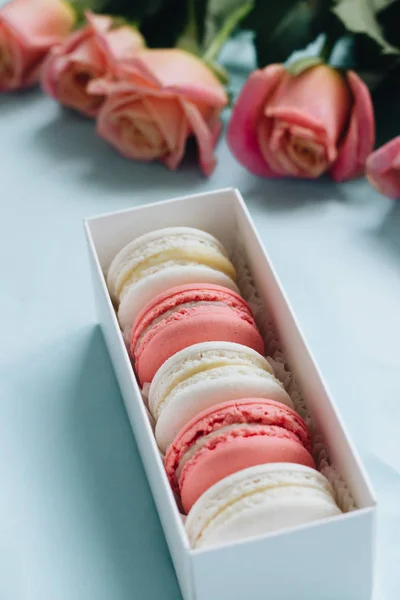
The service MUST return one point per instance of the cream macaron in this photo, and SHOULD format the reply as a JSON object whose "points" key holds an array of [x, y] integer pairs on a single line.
{"points": [[257, 501], [160, 260], [204, 375]]}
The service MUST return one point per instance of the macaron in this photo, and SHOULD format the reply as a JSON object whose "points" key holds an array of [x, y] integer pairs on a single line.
{"points": [[187, 315], [204, 375], [230, 437], [162, 259], [257, 501]]}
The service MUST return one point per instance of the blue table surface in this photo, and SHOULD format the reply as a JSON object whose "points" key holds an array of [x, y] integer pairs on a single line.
{"points": [[77, 520]]}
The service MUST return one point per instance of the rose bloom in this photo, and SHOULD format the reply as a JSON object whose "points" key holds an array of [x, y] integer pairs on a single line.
{"points": [[28, 29], [303, 125], [162, 98], [87, 54], [383, 169]]}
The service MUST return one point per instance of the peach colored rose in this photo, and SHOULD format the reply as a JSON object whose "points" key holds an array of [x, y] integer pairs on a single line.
{"points": [[88, 54], [304, 125], [28, 29], [383, 169], [162, 98]]}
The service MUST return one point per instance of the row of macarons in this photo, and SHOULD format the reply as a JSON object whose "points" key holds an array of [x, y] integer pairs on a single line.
{"points": [[222, 418]]}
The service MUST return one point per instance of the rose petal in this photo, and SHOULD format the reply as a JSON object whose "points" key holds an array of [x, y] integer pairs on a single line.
{"points": [[129, 106], [122, 43], [119, 43], [58, 59], [55, 61], [174, 158], [39, 24], [178, 101], [203, 135], [98, 24], [316, 99], [312, 163], [272, 136], [90, 54], [87, 53], [12, 62], [182, 72], [383, 169], [167, 113], [359, 140], [242, 132], [28, 32]]}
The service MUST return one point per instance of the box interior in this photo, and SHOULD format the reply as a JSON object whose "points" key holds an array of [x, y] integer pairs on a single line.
{"points": [[214, 212], [224, 214]]}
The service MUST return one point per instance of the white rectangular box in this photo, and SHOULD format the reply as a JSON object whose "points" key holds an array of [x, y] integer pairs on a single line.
{"points": [[326, 560]]}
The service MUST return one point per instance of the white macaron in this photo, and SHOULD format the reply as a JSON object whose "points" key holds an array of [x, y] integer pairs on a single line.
{"points": [[160, 260], [204, 375], [257, 501]]}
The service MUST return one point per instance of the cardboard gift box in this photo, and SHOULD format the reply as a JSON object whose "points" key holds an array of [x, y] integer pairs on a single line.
{"points": [[325, 560]]}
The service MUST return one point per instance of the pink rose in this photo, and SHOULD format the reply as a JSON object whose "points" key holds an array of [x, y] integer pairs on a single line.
{"points": [[383, 169], [304, 125], [28, 29], [163, 97], [89, 53]]}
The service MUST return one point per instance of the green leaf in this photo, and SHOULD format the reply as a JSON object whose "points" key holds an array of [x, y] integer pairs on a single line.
{"points": [[200, 9], [283, 26], [389, 20], [80, 6], [227, 28], [193, 36], [133, 9], [359, 17], [303, 64], [362, 54], [219, 71], [163, 28]]}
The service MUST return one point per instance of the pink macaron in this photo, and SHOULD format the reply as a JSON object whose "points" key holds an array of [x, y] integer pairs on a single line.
{"points": [[233, 436], [188, 315]]}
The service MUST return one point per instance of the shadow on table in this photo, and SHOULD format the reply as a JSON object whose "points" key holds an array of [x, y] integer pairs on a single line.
{"points": [[12, 102], [115, 484], [75, 459], [70, 137], [387, 234], [281, 195]]}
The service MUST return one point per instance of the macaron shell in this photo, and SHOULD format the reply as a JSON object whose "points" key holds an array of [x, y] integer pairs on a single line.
{"points": [[267, 512], [139, 294], [243, 413], [201, 357], [155, 242], [258, 500], [191, 326], [235, 451], [183, 295], [237, 383]]}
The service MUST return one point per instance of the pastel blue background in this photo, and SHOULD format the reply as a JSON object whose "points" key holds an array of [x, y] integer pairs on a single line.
{"points": [[77, 520]]}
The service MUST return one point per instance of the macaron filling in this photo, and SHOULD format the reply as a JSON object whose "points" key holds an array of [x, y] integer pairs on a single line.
{"points": [[260, 487], [230, 432], [167, 245], [171, 303], [192, 254], [243, 416], [158, 280], [201, 358], [269, 501], [238, 449], [221, 373]]}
